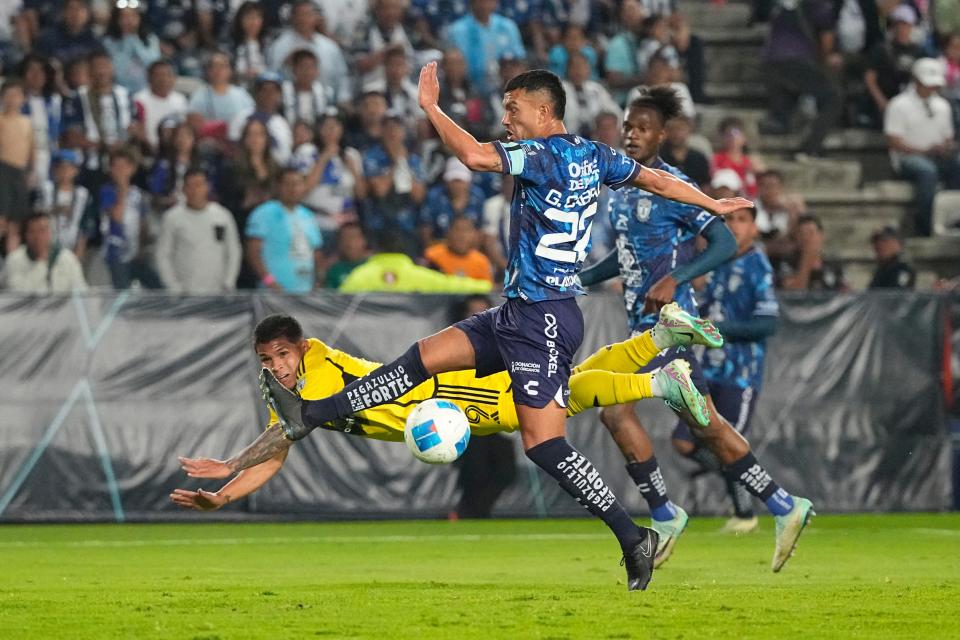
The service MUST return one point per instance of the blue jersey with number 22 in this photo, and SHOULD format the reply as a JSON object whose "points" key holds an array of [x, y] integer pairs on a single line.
{"points": [[554, 201]]}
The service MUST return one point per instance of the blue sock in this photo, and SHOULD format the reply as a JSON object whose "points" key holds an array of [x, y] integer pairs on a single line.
{"points": [[751, 474], [653, 489]]}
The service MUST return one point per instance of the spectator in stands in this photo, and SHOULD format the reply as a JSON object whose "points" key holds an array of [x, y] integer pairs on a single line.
{"points": [[777, 214], [343, 20], [248, 178], [495, 231], [218, 102], [68, 204], [510, 67], [39, 265], [157, 102], [676, 151], [799, 59], [267, 103], [690, 49], [176, 20], [892, 271], [951, 64], [16, 148], [97, 118], [283, 241], [431, 19], [808, 269], [165, 180], [396, 186], [458, 99], [305, 97], [249, 41], [367, 129], [71, 38], [455, 196], [383, 36], [392, 270], [890, 62], [586, 98], [352, 251], [733, 154], [43, 105], [660, 72], [401, 94], [123, 224], [918, 124], [606, 129], [333, 173], [483, 36], [131, 45], [574, 41], [457, 255], [198, 251], [302, 34], [623, 71]]}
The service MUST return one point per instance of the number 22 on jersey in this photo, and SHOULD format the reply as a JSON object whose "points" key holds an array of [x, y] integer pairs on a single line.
{"points": [[579, 233]]}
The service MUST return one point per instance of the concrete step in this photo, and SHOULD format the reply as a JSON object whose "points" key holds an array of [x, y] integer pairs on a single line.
{"points": [[703, 15], [858, 140], [818, 173]]}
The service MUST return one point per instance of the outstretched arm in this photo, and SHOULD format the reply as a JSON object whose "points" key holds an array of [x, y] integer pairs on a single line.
{"points": [[608, 267], [669, 186], [478, 156], [245, 483], [270, 443]]}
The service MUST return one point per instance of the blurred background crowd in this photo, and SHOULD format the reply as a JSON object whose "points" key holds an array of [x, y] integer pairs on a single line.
{"points": [[201, 146]]}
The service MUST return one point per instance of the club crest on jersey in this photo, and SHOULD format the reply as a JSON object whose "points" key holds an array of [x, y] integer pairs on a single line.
{"points": [[643, 209], [301, 383]]}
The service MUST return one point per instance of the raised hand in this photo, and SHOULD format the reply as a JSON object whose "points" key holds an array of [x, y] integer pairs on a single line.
{"points": [[429, 86], [200, 500], [205, 468], [729, 205]]}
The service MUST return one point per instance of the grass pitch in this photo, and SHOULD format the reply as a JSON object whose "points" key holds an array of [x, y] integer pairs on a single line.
{"points": [[853, 577]]}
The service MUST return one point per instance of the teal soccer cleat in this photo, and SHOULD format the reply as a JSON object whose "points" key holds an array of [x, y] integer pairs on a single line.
{"points": [[789, 528]]}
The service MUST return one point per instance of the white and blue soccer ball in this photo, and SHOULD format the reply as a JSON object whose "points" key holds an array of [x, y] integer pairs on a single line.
{"points": [[437, 431]]}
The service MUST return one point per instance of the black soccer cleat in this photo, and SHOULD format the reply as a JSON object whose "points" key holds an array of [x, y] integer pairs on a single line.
{"points": [[285, 404], [639, 560]]}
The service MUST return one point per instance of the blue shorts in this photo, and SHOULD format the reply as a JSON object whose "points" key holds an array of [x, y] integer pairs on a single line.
{"points": [[533, 341], [733, 402]]}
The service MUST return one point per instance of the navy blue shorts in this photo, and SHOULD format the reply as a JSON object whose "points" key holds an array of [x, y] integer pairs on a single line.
{"points": [[533, 341], [734, 403]]}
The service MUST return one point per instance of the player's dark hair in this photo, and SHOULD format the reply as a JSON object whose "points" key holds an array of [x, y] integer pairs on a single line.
{"points": [[542, 80], [809, 217], [730, 122], [156, 64], [302, 54], [770, 173], [662, 99], [276, 327], [11, 83], [194, 171]]}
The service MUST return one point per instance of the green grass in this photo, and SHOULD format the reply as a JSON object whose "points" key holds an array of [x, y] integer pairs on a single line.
{"points": [[853, 577]]}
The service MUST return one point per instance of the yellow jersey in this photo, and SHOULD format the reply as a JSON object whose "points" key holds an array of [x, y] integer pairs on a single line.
{"points": [[487, 402]]}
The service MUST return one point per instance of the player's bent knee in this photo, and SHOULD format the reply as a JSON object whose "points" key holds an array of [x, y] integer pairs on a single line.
{"points": [[683, 447]]}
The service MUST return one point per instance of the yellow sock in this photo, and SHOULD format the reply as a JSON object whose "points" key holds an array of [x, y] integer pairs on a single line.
{"points": [[600, 388], [621, 357]]}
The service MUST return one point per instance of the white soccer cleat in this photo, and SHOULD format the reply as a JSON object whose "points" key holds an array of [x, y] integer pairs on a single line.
{"points": [[789, 528], [669, 531], [740, 526]]}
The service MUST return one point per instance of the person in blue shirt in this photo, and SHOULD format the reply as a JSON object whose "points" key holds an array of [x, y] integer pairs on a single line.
{"points": [[455, 196], [534, 334], [283, 240], [738, 297], [656, 257], [484, 37]]}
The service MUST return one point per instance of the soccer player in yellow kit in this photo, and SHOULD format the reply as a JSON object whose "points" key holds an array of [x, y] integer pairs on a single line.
{"points": [[313, 369]]}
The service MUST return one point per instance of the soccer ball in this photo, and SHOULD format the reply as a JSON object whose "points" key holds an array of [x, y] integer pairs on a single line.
{"points": [[437, 432]]}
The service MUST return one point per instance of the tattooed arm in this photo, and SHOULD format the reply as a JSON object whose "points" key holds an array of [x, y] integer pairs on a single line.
{"points": [[269, 444], [245, 483]]}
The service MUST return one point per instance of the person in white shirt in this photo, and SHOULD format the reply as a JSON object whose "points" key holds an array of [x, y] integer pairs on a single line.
{"points": [[305, 98], [199, 250], [40, 266], [66, 202], [302, 34], [248, 34], [918, 124], [385, 33], [158, 101], [214, 105], [586, 98]]}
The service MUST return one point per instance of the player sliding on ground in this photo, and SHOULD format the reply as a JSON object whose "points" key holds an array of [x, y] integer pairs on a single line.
{"points": [[534, 334]]}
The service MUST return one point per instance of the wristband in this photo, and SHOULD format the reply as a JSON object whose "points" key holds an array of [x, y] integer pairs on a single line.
{"points": [[268, 280]]}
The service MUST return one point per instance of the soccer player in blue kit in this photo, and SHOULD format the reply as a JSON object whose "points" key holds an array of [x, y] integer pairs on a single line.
{"points": [[738, 297], [656, 256], [534, 334]]}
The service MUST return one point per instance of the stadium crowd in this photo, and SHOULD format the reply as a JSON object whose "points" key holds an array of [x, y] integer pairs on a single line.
{"points": [[204, 145]]}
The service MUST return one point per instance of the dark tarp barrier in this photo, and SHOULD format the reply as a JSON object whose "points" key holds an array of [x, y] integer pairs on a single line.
{"points": [[100, 393]]}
